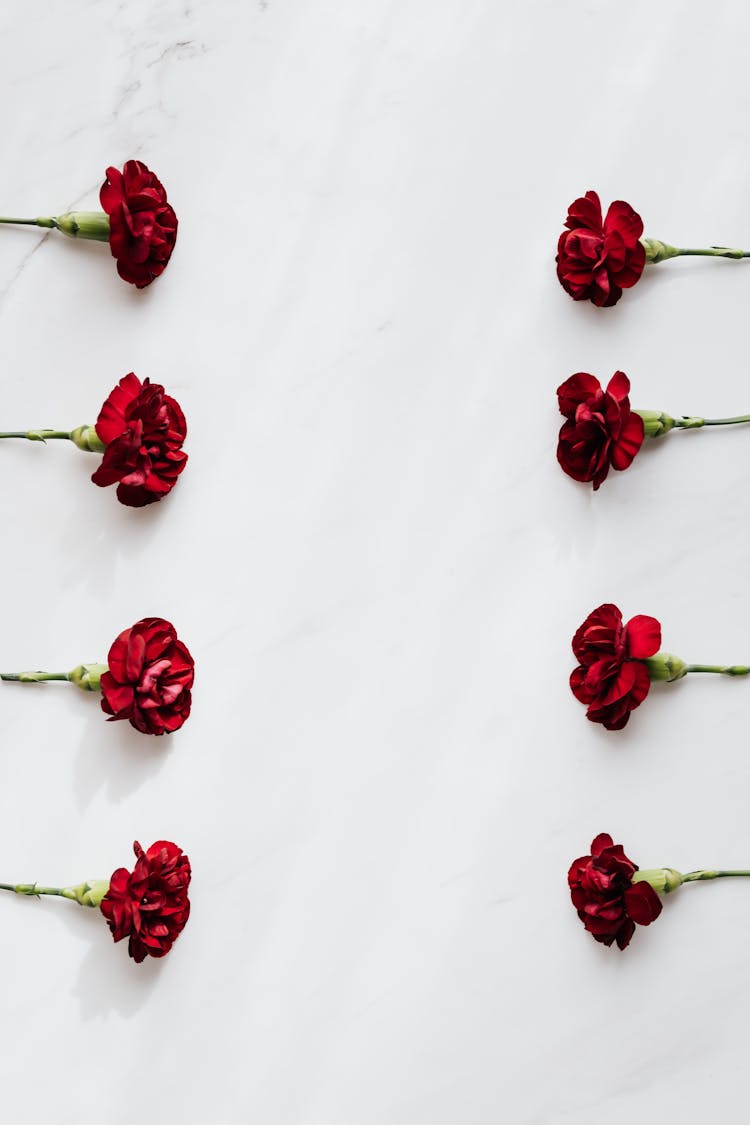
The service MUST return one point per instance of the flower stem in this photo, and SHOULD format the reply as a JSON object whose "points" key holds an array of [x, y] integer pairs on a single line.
{"points": [[720, 669], [656, 422], [85, 894], [44, 222], [726, 421], [658, 251], [699, 876], [87, 677], [664, 880], [665, 666], [712, 252], [38, 435], [84, 437], [31, 889], [688, 423], [34, 677], [76, 224]]}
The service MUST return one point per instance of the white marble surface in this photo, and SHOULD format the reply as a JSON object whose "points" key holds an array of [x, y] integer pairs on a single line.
{"points": [[376, 561]]}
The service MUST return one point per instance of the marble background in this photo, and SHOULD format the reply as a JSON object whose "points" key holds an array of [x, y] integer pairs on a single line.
{"points": [[376, 561]]}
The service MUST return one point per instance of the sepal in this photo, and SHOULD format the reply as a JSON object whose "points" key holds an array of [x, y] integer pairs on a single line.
{"points": [[87, 439], [84, 224], [665, 667], [88, 677], [657, 251], [664, 880], [655, 422], [87, 894]]}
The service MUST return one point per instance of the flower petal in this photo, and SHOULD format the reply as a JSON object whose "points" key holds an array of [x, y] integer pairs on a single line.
{"points": [[642, 637], [642, 903], [628, 443]]}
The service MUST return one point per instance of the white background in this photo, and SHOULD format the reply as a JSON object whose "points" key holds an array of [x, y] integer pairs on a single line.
{"points": [[376, 562]]}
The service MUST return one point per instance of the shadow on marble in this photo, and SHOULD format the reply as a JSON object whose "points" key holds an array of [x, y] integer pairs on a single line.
{"points": [[123, 533], [116, 758], [98, 530], [96, 259], [107, 980], [113, 757]]}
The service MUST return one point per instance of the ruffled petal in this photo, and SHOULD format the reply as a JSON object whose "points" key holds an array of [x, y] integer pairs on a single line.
{"points": [[619, 386], [621, 217], [627, 445], [642, 903], [579, 388], [585, 212], [600, 842], [643, 637]]}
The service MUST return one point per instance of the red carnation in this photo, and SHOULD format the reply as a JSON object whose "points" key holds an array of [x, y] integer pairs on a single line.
{"points": [[149, 905], [149, 678], [137, 222], [612, 678], [597, 259], [142, 429], [143, 226], [608, 902], [601, 431]]}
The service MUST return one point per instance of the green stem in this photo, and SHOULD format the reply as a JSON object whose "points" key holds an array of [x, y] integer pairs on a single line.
{"points": [[89, 893], [688, 423], [84, 437], [726, 421], [76, 224], [38, 435], [666, 667], [697, 876], [32, 889], [34, 677], [656, 422], [658, 251], [711, 252], [49, 222], [720, 669], [664, 880], [87, 677]]}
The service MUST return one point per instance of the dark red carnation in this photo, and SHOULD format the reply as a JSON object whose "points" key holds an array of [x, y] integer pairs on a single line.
{"points": [[601, 430], [149, 678], [149, 905], [608, 902], [612, 678], [142, 225], [597, 259], [143, 430]]}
